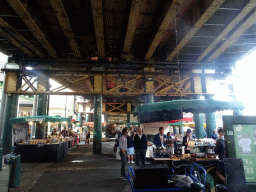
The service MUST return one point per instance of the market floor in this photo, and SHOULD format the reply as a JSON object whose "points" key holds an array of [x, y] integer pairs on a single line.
{"points": [[81, 170]]}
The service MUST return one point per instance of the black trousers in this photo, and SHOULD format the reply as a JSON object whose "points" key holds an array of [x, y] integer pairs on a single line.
{"points": [[140, 156], [123, 158]]}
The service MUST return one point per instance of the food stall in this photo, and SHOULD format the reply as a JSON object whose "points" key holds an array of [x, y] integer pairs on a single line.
{"points": [[34, 142], [173, 110], [90, 126]]}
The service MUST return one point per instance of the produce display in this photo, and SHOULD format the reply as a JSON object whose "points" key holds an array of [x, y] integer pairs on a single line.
{"points": [[50, 139]]}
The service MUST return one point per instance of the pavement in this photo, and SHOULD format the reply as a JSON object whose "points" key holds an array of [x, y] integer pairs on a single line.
{"points": [[4, 178], [81, 170]]}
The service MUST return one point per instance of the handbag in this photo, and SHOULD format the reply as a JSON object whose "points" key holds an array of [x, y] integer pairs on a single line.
{"points": [[115, 148]]}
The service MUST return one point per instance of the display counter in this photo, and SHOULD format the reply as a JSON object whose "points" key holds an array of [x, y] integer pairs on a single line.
{"points": [[50, 152]]}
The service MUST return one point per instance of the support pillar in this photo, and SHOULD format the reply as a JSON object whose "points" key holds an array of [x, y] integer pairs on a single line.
{"points": [[238, 112], [12, 83], [129, 110], [42, 86], [199, 128], [34, 114], [97, 133], [210, 123], [181, 130], [149, 89], [2, 112], [175, 130]]}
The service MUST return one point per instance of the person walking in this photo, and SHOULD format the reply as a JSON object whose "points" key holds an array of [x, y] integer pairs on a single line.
{"points": [[118, 135], [130, 146], [123, 151], [140, 146], [88, 137]]}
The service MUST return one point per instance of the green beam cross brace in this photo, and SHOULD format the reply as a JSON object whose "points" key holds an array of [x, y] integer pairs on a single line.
{"points": [[199, 128], [210, 123], [97, 133]]}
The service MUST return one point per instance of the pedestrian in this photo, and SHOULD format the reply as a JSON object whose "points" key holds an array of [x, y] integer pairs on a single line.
{"points": [[130, 146], [123, 151], [220, 146], [214, 135], [118, 136], [140, 146], [88, 135]]}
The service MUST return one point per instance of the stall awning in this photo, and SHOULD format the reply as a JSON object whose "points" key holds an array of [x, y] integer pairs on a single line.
{"points": [[201, 106], [53, 119], [172, 110], [180, 123]]}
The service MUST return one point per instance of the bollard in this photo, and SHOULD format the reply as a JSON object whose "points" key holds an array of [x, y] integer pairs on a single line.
{"points": [[15, 172], [1, 159]]}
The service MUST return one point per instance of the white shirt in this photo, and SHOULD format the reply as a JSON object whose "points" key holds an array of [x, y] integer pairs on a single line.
{"points": [[162, 139], [140, 135]]}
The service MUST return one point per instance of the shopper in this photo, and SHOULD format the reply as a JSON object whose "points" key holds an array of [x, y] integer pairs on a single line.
{"points": [[88, 135], [160, 138], [130, 146], [220, 146], [186, 139], [214, 135], [140, 146], [118, 135], [123, 151]]}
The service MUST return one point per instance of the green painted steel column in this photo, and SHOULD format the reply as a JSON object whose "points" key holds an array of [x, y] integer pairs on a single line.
{"points": [[175, 130], [199, 128], [42, 103], [181, 130], [41, 110], [238, 112], [10, 109], [128, 120], [97, 132], [150, 98], [79, 119], [210, 123]]}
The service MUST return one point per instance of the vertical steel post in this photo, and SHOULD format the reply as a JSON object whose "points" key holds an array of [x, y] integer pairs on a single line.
{"points": [[210, 123], [199, 128], [128, 120], [97, 132], [2, 111], [10, 109]]}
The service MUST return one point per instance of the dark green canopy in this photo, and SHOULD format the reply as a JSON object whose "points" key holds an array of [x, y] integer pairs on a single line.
{"points": [[40, 118], [201, 106]]}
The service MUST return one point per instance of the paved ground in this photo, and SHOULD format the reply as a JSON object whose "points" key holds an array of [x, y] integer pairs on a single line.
{"points": [[81, 170]]}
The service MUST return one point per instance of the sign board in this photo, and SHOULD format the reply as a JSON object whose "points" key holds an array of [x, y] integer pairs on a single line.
{"points": [[245, 140], [241, 143]]}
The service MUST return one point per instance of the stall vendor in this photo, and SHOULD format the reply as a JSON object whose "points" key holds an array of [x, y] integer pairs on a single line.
{"points": [[186, 139], [220, 146], [54, 132], [160, 138], [64, 132]]}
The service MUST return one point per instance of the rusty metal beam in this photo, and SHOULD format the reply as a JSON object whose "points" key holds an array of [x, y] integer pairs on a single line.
{"points": [[133, 19], [20, 9], [17, 36], [235, 36], [170, 16], [97, 13], [62, 16], [16, 43], [172, 85], [231, 26], [198, 25]]}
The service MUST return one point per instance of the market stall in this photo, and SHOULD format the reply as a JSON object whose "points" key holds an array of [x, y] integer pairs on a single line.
{"points": [[34, 141]]}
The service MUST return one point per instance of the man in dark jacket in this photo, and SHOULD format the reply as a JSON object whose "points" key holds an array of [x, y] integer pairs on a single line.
{"points": [[214, 135], [160, 138], [140, 146], [186, 139], [220, 146]]}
